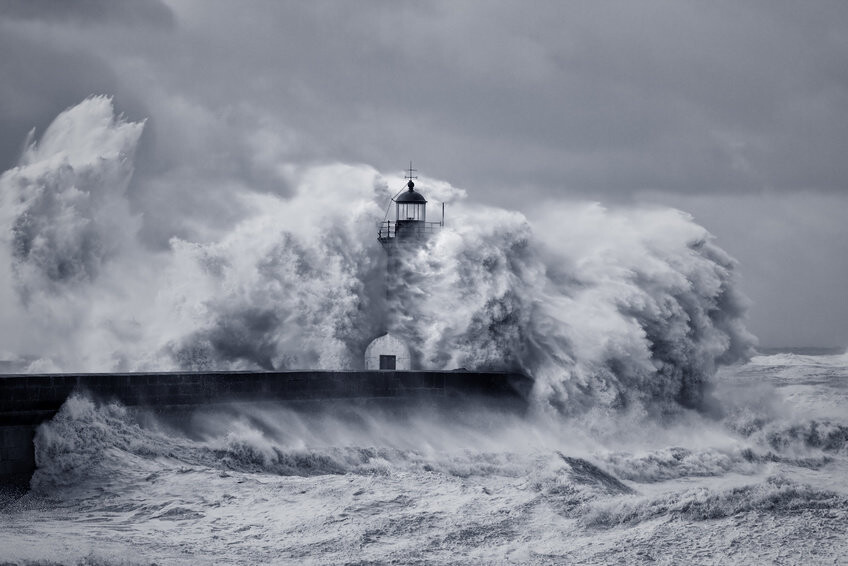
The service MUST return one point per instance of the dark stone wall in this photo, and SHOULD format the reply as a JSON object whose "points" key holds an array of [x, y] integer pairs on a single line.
{"points": [[28, 400], [17, 460]]}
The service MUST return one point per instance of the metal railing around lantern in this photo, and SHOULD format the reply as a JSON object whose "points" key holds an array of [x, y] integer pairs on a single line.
{"points": [[406, 229]]}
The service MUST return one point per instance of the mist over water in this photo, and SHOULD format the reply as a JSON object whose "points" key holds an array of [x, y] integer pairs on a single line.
{"points": [[615, 308]]}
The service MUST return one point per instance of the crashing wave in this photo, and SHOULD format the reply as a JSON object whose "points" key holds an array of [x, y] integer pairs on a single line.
{"points": [[775, 496], [604, 308]]}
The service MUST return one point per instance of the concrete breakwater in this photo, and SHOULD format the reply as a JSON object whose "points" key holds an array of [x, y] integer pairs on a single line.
{"points": [[30, 399]]}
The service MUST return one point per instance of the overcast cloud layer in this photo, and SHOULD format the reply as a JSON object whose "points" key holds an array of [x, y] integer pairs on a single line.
{"points": [[735, 112]]}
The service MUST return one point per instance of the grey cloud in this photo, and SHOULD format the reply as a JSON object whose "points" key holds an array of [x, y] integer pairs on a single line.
{"points": [[607, 99], [129, 12], [621, 97]]}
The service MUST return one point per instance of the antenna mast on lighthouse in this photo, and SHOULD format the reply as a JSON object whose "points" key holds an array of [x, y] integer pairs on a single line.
{"points": [[410, 172]]}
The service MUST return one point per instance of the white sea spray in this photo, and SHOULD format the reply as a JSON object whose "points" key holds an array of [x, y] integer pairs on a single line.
{"points": [[628, 309]]}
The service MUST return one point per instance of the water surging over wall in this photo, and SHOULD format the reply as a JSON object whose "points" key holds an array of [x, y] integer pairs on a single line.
{"points": [[604, 308]]}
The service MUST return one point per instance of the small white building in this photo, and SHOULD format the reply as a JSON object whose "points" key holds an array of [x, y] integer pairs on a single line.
{"points": [[387, 352]]}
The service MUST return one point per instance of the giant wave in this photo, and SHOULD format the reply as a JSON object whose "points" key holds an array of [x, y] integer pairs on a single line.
{"points": [[605, 308]]}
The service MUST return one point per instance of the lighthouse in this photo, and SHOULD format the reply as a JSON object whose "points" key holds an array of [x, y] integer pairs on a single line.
{"points": [[406, 233]]}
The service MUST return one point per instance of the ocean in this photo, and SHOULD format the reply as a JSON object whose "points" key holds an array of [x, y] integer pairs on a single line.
{"points": [[759, 476]]}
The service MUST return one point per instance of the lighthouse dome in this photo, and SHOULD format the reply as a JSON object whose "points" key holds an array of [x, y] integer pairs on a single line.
{"points": [[411, 196]]}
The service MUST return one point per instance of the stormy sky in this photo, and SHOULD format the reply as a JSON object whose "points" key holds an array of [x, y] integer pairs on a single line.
{"points": [[736, 112]]}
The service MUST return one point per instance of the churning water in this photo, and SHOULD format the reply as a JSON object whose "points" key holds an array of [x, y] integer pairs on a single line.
{"points": [[762, 482]]}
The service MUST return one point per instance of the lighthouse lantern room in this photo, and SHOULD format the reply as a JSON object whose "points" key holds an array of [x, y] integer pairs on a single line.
{"points": [[411, 205], [410, 222]]}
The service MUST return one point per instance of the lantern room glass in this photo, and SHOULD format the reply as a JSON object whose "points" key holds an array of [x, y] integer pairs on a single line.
{"points": [[411, 211]]}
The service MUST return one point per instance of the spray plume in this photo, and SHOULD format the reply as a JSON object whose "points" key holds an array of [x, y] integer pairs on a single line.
{"points": [[621, 308]]}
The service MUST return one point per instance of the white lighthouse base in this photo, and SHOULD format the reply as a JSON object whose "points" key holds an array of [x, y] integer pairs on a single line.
{"points": [[387, 353]]}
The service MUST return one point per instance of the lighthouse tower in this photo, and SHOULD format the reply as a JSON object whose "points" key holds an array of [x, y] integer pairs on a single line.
{"points": [[407, 232]]}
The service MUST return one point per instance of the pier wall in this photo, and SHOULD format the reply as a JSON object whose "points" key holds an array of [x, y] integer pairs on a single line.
{"points": [[28, 400]]}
